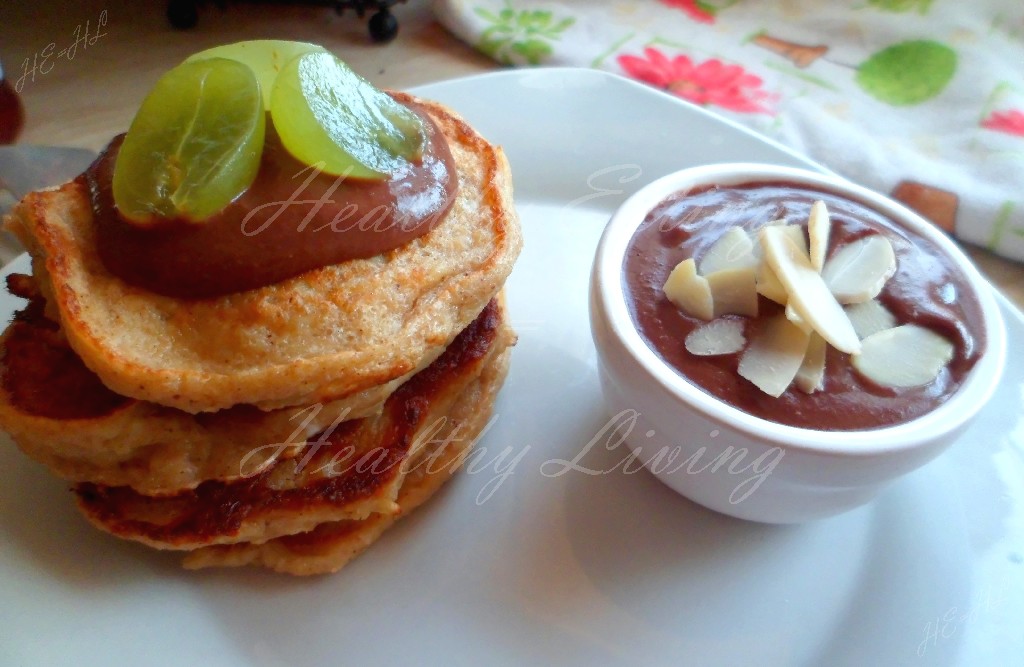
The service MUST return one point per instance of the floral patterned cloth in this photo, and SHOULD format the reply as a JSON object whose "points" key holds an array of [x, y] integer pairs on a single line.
{"points": [[921, 99]]}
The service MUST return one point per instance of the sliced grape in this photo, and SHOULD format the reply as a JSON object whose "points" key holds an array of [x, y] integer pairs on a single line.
{"points": [[265, 57], [329, 116], [194, 145]]}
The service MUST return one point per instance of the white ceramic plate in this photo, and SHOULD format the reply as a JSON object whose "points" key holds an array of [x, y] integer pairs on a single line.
{"points": [[526, 561]]}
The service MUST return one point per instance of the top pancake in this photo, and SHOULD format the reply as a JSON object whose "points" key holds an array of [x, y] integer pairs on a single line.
{"points": [[320, 336]]}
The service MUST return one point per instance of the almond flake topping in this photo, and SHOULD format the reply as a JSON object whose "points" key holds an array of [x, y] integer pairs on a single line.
{"points": [[904, 356], [721, 336], [858, 271], [808, 294], [794, 270]]}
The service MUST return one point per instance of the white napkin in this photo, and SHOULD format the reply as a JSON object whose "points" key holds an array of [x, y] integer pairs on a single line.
{"points": [[920, 99]]}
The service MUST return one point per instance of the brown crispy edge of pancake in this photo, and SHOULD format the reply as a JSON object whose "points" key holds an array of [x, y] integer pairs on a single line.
{"points": [[247, 510], [273, 387], [153, 449], [331, 546]]}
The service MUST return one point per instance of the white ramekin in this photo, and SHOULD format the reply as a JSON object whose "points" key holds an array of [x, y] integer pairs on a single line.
{"points": [[731, 461]]}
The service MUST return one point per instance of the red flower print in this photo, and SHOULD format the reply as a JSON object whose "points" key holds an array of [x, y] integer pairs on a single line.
{"points": [[1010, 121], [693, 9], [710, 83]]}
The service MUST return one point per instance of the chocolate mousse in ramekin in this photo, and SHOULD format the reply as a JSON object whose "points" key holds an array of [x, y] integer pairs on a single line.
{"points": [[782, 343]]}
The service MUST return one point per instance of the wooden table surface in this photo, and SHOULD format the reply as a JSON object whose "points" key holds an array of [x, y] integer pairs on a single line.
{"points": [[91, 93]]}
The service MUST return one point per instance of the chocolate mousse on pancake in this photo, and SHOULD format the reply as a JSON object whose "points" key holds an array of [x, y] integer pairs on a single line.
{"points": [[324, 334], [277, 381]]}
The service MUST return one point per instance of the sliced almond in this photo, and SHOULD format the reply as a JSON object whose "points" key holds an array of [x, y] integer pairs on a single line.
{"points": [[768, 284], [732, 250], [758, 251], [795, 233], [904, 356], [774, 357], [808, 294], [690, 292], [797, 319], [869, 317], [722, 336], [819, 227], [858, 271], [734, 291], [811, 375]]}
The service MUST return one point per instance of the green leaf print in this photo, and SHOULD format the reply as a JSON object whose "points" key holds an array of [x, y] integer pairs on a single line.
{"points": [[908, 73], [520, 36], [714, 6], [1001, 225], [486, 14], [900, 6], [534, 50]]}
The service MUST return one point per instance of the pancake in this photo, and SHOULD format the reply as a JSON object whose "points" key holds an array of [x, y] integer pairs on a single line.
{"points": [[323, 335], [332, 545], [60, 414], [351, 472]]}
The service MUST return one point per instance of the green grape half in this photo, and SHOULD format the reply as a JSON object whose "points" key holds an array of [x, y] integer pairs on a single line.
{"points": [[329, 116], [194, 145], [265, 57]]}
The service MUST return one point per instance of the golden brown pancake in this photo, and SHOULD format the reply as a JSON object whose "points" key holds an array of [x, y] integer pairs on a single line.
{"points": [[59, 413], [330, 546], [352, 472], [328, 333]]}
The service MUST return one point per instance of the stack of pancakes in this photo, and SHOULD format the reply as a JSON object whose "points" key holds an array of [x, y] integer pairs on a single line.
{"points": [[285, 426]]}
